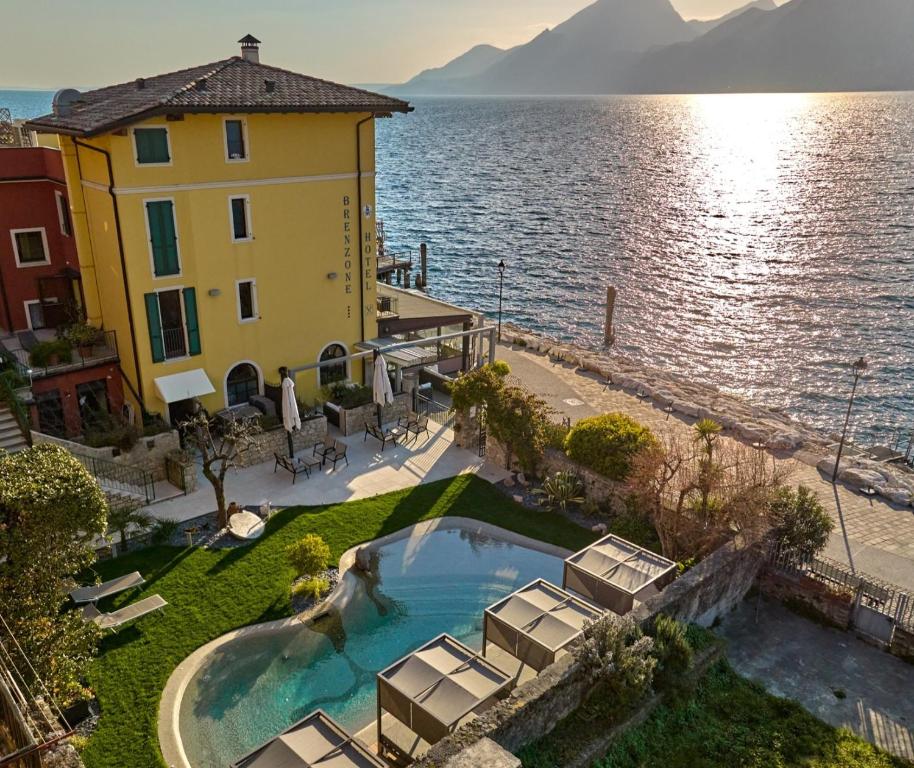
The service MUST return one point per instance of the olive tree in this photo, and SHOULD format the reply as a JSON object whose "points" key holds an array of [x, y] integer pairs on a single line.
{"points": [[51, 511], [220, 449]]}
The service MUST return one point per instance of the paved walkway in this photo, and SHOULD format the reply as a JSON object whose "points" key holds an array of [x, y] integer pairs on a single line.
{"points": [[803, 661], [370, 472], [872, 536]]}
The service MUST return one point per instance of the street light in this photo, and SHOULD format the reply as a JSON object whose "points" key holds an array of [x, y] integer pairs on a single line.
{"points": [[858, 368], [501, 290]]}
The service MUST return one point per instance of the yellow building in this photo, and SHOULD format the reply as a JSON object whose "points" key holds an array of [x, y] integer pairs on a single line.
{"points": [[218, 213]]}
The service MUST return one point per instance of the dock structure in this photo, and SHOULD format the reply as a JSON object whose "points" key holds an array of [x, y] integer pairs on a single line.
{"points": [[398, 267]]}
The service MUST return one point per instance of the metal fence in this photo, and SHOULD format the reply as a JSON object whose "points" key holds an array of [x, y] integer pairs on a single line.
{"points": [[438, 412], [120, 478], [890, 600]]}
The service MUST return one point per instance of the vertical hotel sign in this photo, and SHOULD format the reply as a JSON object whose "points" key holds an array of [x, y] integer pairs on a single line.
{"points": [[358, 256]]}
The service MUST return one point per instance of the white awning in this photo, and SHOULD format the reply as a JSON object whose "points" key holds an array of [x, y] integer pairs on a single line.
{"points": [[184, 386]]}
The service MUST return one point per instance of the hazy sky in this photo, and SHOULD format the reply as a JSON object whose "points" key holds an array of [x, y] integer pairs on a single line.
{"points": [[82, 43]]}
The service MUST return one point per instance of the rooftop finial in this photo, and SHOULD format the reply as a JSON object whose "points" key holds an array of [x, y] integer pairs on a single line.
{"points": [[250, 49]]}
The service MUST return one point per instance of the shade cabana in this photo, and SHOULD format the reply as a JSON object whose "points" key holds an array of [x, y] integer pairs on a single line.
{"points": [[315, 741], [537, 623], [434, 689], [614, 573]]}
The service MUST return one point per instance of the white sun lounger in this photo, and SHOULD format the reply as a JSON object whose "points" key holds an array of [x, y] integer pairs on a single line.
{"points": [[128, 613], [95, 593]]}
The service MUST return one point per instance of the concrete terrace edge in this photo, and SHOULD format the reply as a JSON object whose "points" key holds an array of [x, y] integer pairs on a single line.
{"points": [[173, 694]]}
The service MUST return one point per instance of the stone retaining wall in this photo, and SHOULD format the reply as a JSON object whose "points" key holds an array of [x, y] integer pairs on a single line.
{"points": [[266, 444], [353, 420], [148, 454], [807, 594], [903, 644]]}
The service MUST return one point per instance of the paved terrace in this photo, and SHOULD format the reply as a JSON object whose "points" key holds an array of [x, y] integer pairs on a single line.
{"points": [[370, 472], [871, 535]]}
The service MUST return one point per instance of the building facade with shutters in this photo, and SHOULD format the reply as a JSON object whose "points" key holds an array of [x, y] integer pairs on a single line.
{"points": [[225, 221]]}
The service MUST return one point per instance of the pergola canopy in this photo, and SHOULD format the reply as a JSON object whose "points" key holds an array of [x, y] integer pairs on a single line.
{"points": [[433, 689], [315, 741], [614, 573], [536, 623]]}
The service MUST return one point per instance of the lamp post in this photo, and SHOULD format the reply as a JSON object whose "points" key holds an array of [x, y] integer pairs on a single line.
{"points": [[501, 291], [858, 368]]}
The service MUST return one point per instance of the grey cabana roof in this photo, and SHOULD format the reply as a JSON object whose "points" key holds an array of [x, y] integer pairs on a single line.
{"points": [[433, 689], [315, 741], [615, 573], [536, 623]]}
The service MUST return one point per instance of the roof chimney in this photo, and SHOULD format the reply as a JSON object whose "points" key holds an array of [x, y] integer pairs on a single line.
{"points": [[250, 49], [140, 83]]}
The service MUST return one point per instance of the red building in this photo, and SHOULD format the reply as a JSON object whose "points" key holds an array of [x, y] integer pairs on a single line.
{"points": [[40, 292]]}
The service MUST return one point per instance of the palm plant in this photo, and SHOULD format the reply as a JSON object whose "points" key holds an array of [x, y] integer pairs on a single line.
{"points": [[562, 489], [128, 516]]}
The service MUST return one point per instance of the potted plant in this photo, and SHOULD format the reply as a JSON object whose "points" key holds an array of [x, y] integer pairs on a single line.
{"points": [[82, 336], [49, 353]]}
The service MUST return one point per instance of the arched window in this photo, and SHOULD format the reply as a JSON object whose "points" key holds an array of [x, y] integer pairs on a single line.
{"points": [[331, 374], [242, 383]]}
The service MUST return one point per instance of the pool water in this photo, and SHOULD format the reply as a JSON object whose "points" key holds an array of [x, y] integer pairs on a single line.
{"points": [[254, 688]]}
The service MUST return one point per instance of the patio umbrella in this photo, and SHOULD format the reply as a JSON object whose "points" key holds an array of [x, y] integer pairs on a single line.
{"points": [[383, 392], [290, 418]]}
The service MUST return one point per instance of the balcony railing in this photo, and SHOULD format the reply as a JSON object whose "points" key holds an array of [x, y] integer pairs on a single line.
{"points": [[175, 342], [102, 351], [388, 307], [394, 261]]}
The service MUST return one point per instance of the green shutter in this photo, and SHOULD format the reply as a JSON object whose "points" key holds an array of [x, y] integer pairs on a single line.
{"points": [[162, 236], [190, 318], [155, 327], [151, 145]]}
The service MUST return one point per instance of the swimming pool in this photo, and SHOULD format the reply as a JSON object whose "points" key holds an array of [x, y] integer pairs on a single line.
{"points": [[252, 688]]}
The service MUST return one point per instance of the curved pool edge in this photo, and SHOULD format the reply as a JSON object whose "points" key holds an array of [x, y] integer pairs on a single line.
{"points": [[172, 695]]}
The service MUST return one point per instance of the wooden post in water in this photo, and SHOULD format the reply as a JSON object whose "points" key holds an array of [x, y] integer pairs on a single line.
{"points": [[609, 334], [423, 265]]}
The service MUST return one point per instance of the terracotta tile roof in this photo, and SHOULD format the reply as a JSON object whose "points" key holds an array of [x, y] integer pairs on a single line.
{"points": [[232, 85]]}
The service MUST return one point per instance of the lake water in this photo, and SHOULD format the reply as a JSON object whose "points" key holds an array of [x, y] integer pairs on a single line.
{"points": [[760, 243]]}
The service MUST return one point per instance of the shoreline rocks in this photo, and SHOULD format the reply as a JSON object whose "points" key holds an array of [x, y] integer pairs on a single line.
{"points": [[754, 424]]}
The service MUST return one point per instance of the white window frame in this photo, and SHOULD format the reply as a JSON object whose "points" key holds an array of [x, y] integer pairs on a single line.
{"points": [[254, 302], [171, 155], [63, 205], [347, 360], [247, 219], [28, 315], [231, 368], [174, 218], [44, 243], [180, 290], [244, 137]]}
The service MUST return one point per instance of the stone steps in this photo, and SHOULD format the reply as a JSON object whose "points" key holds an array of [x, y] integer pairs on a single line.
{"points": [[11, 437]]}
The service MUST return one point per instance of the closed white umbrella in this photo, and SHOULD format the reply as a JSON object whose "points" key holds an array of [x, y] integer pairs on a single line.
{"points": [[383, 392], [290, 418]]}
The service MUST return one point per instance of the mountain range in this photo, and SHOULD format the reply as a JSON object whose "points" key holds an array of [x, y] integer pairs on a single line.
{"points": [[645, 46]]}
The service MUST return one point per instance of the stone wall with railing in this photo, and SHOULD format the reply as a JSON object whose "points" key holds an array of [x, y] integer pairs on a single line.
{"points": [[148, 454], [352, 421], [265, 444]]}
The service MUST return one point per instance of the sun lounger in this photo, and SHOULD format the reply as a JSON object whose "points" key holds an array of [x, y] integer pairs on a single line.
{"points": [[117, 619], [97, 592]]}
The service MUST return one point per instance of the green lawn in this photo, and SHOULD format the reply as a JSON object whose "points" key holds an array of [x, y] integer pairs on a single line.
{"points": [[730, 721], [213, 592]]}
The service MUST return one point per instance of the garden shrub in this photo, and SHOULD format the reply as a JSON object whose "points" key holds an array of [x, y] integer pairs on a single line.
{"points": [[802, 527], [44, 353], [348, 396], [556, 434], [311, 588], [309, 556], [607, 444], [561, 490], [673, 654], [637, 530]]}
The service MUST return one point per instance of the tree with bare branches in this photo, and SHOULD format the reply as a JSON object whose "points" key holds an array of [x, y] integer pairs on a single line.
{"points": [[220, 447], [700, 491]]}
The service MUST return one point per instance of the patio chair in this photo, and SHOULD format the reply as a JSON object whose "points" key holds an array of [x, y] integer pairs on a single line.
{"points": [[94, 593], [117, 619], [418, 427], [295, 466], [323, 449], [337, 454], [380, 435]]}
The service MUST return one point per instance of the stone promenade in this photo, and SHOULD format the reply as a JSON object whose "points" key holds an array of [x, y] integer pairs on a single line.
{"points": [[871, 535]]}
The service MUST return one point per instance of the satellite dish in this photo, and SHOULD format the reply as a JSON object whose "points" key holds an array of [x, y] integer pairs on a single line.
{"points": [[63, 101]]}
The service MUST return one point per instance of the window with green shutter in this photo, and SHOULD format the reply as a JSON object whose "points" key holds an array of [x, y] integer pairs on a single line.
{"points": [[163, 238], [151, 146]]}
